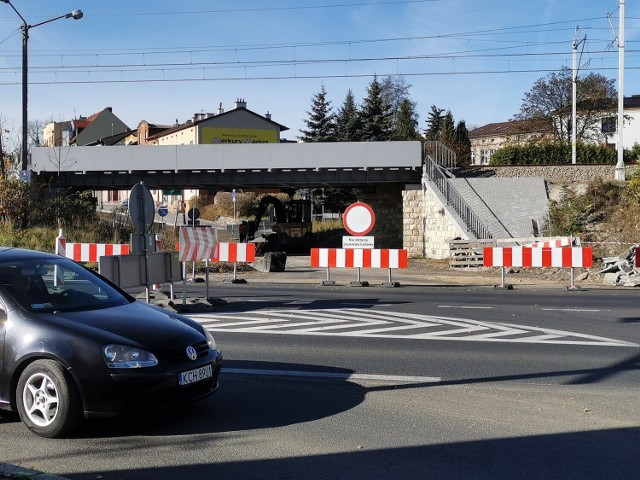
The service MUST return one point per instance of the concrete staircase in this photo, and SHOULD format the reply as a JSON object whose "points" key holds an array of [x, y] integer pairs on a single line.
{"points": [[485, 208], [509, 207]]}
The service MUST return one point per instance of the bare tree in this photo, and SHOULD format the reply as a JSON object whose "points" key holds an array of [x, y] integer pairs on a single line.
{"points": [[550, 100]]}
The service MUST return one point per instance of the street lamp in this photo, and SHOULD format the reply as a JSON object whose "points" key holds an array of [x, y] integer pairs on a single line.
{"points": [[76, 15]]}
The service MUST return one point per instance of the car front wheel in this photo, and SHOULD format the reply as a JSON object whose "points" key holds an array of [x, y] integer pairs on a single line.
{"points": [[48, 400]]}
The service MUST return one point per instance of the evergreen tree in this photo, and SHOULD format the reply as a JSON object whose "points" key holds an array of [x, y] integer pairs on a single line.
{"points": [[462, 145], [406, 127], [434, 123], [447, 133], [395, 91], [348, 123], [376, 114], [321, 125]]}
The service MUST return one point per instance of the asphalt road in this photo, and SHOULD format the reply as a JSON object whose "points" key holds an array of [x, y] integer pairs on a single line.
{"points": [[413, 382]]}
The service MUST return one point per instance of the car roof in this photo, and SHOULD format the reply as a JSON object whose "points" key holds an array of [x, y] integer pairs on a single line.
{"points": [[13, 253]]}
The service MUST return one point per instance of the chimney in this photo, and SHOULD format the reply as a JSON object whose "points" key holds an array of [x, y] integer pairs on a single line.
{"points": [[267, 116], [240, 103], [220, 109]]}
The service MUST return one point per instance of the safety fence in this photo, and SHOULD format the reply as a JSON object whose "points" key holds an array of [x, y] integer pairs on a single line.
{"points": [[359, 258], [470, 253], [556, 242], [88, 252], [539, 257], [201, 244]]}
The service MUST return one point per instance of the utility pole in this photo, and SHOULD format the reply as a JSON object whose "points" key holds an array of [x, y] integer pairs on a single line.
{"points": [[574, 122], [620, 173]]}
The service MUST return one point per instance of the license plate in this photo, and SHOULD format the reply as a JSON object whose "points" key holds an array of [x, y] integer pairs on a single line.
{"points": [[195, 375]]}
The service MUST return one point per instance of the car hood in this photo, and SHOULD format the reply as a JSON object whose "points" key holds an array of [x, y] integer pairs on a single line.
{"points": [[136, 324]]}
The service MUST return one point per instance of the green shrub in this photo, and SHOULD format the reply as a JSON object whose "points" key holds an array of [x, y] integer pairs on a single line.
{"points": [[553, 154]]}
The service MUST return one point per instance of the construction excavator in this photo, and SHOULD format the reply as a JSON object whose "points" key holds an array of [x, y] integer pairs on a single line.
{"points": [[291, 232]]}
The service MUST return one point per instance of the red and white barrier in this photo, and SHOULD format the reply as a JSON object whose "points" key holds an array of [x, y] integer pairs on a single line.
{"points": [[554, 242], [359, 258], [563, 257], [567, 257], [88, 252], [197, 243], [235, 252]]}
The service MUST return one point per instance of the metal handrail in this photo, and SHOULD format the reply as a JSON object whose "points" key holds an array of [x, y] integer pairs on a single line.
{"points": [[440, 153], [437, 175]]}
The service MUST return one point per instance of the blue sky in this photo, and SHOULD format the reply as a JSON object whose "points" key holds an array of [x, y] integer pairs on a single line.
{"points": [[164, 61]]}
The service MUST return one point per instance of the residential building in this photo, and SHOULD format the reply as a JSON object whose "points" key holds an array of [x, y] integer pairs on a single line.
{"points": [[54, 134], [486, 140], [92, 130], [239, 125]]}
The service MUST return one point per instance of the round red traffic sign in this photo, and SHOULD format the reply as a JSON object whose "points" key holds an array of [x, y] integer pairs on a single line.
{"points": [[358, 219]]}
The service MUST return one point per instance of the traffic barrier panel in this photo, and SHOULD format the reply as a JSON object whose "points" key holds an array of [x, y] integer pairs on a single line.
{"points": [[555, 242], [359, 258], [88, 252], [231, 252], [235, 252], [536, 257], [200, 248], [197, 243], [566, 257]]}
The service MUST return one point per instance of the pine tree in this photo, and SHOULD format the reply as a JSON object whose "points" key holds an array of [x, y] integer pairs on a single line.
{"points": [[321, 125], [348, 122], [462, 145], [376, 115], [434, 123], [447, 131], [406, 127]]}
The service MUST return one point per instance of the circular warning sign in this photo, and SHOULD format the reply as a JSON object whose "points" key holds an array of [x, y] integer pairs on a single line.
{"points": [[358, 219]]}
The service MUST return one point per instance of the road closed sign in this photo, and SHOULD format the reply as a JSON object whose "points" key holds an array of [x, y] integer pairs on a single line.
{"points": [[358, 219]]}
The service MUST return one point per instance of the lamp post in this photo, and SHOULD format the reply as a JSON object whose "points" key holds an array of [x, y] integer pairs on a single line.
{"points": [[76, 15]]}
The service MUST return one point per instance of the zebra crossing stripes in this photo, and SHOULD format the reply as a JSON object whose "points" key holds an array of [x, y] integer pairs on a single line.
{"points": [[359, 322]]}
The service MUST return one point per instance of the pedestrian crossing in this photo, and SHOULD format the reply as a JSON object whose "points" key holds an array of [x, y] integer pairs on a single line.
{"points": [[368, 323]]}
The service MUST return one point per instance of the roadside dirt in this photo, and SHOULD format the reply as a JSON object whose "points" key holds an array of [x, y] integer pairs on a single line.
{"points": [[420, 272]]}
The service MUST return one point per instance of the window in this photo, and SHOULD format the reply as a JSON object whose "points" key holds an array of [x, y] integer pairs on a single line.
{"points": [[609, 125]]}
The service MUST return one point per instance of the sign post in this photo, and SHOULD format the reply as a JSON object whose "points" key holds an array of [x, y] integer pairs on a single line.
{"points": [[142, 213], [358, 220]]}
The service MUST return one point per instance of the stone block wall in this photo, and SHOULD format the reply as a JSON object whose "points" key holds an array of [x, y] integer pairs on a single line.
{"points": [[559, 173], [387, 204], [427, 228]]}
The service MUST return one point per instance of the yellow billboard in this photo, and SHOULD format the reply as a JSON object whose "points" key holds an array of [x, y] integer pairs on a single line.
{"points": [[237, 135]]}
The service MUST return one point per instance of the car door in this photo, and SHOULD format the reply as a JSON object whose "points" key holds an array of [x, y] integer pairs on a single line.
{"points": [[3, 329]]}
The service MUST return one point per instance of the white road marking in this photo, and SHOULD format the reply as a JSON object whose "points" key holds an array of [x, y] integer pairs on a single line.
{"points": [[568, 310], [353, 322], [333, 375], [468, 307]]}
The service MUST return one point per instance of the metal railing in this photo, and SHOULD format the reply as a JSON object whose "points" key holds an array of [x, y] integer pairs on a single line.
{"points": [[440, 153], [439, 176]]}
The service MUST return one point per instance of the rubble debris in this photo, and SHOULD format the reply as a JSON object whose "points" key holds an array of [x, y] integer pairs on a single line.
{"points": [[621, 270]]}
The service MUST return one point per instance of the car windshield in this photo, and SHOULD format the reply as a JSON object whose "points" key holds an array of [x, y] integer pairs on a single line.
{"points": [[57, 285]]}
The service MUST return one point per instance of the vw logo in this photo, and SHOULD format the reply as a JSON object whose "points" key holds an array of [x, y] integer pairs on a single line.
{"points": [[191, 353]]}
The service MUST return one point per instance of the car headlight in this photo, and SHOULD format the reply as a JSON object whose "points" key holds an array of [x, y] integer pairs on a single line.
{"points": [[123, 356], [210, 340]]}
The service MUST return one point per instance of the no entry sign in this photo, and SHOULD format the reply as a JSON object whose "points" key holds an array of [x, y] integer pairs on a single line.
{"points": [[359, 219]]}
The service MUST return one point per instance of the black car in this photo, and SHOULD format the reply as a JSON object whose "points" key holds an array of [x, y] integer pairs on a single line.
{"points": [[73, 345]]}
